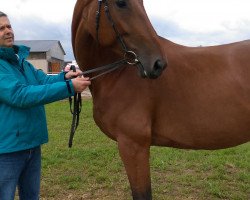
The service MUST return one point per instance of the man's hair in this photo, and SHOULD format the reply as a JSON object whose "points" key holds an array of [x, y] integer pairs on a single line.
{"points": [[2, 14]]}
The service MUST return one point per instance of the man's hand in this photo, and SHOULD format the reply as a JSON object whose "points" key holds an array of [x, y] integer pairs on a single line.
{"points": [[80, 84], [71, 74]]}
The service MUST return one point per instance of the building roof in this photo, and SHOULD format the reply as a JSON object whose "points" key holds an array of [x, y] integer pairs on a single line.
{"points": [[39, 45]]}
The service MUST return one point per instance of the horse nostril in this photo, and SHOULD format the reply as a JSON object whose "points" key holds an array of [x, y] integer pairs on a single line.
{"points": [[159, 66]]}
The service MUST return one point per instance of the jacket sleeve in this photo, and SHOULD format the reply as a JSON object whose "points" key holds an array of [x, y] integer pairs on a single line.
{"points": [[17, 94], [43, 78]]}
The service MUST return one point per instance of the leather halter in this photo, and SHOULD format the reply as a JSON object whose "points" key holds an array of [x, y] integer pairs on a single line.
{"points": [[129, 57]]}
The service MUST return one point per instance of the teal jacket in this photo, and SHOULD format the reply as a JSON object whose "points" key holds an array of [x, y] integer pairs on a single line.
{"points": [[24, 91]]}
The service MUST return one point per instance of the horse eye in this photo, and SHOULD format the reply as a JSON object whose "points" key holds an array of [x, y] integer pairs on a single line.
{"points": [[121, 3]]}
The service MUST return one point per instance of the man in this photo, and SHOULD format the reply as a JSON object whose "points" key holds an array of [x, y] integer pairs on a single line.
{"points": [[23, 92]]}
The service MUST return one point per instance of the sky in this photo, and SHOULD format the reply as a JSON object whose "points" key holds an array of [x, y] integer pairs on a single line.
{"points": [[186, 22]]}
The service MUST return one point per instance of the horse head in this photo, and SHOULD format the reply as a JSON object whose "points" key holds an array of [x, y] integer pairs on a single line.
{"points": [[107, 30]]}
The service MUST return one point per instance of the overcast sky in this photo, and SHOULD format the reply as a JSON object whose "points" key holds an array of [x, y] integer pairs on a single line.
{"points": [[187, 22]]}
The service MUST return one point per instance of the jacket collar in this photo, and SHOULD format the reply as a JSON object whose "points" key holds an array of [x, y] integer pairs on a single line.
{"points": [[16, 54]]}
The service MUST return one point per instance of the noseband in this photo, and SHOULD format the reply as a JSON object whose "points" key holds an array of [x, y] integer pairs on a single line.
{"points": [[129, 57]]}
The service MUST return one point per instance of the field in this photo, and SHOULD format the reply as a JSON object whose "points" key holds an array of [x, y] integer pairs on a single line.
{"points": [[92, 168]]}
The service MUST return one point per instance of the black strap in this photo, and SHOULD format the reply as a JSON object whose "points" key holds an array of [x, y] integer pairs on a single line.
{"points": [[118, 35], [105, 69], [77, 107]]}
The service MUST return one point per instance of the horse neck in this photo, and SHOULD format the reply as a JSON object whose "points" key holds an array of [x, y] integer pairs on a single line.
{"points": [[94, 56]]}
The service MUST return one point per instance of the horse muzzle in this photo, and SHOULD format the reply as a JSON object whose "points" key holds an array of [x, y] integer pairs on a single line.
{"points": [[155, 72], [157, 69]]}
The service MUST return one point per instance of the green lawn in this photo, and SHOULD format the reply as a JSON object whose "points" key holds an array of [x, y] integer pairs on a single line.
{"points": [[92, 168]]}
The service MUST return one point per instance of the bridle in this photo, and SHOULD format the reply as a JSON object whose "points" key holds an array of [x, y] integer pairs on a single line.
{"points": [[129, 57], [98, 15]]}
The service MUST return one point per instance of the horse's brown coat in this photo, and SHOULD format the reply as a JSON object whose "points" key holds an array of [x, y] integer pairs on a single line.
{"points": [[201, 101]]}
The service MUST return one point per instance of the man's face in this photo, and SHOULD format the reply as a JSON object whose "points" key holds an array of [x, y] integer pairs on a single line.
{"points": [[6, 33]]}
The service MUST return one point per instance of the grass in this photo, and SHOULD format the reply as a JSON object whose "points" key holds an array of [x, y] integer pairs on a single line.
{"points": [[92, 168]]}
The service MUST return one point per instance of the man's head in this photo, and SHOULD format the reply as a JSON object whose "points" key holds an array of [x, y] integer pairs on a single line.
{"points": [[6, 32]]}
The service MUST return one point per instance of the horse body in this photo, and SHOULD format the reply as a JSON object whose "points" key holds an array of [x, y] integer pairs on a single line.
{"points": [[201, 101], [204, 101]]}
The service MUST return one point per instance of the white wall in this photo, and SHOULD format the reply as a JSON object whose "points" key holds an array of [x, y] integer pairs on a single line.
{"points": [[40, 64]]}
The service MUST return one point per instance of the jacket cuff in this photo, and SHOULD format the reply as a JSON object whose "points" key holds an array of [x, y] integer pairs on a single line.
{"points": [[70, 87], [64, 75]]}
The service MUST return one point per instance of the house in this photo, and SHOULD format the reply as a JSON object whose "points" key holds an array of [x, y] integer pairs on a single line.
{"points": [[47, 55]]}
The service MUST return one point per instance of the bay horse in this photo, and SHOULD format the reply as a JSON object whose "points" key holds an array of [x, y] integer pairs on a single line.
{"points": [[200, 101]]}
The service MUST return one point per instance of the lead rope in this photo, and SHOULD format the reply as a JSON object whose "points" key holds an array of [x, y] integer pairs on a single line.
{"points": [[77, 107]]}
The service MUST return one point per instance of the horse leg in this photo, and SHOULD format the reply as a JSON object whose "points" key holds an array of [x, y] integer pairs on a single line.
{"points": [[135, 157]]}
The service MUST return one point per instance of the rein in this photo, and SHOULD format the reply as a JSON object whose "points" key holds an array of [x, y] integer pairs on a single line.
{"points": [[77, 107], [129, 58]]}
